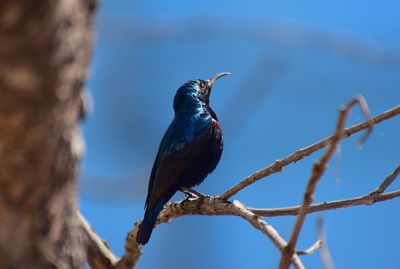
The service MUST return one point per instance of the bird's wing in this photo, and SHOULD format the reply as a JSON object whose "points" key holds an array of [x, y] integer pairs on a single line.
{"points": [[181, 142]]}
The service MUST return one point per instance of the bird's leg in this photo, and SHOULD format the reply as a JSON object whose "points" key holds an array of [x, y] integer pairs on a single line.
{"points": [[190, 193]]}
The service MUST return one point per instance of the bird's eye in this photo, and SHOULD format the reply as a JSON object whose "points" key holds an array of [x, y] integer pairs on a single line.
{"points": [[203, 85]]}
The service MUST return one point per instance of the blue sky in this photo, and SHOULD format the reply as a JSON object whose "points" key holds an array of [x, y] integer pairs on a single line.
{"points": [[293, 65]]}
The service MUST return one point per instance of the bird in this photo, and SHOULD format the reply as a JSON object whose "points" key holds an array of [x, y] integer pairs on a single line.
{"points": [[189, 150]]}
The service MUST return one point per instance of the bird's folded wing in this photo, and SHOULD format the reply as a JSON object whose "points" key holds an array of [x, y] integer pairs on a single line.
{"points": [[177, 149]]}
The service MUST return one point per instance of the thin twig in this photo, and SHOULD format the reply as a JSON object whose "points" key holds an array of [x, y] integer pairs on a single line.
{"points": [[368, 199], [132, 250], [317, 172], [360, 100], [324, 251], [389, 179], [311, 249], [99, 256], [266, 229], [278, 165]]}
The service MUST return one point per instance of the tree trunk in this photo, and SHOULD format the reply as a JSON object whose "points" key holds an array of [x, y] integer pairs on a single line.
{"points": [[45, 48]]}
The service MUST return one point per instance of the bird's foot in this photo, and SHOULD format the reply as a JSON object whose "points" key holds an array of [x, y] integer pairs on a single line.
{"points": [[192, 194]]}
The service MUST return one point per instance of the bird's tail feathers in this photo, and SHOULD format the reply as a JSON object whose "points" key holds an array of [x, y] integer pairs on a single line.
{"points": [[147, 225]]}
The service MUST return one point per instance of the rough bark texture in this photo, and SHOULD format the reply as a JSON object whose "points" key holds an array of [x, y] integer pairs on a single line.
{"points": [[44, 52]]}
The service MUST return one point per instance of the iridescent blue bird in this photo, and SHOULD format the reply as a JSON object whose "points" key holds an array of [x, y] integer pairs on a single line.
{"points": [[190, 149]]}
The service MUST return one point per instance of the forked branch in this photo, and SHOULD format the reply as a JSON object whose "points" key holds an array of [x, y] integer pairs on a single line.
{"points": [[278, 165], [317, 172]]}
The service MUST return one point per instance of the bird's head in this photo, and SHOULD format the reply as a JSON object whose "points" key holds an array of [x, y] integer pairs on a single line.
{"points": [[195, 93]]}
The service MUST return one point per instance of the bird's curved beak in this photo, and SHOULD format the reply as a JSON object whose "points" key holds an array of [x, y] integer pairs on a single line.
{"points": [[212, 80]]}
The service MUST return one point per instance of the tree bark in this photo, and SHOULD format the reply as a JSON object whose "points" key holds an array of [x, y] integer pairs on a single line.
{"points": [[45, 47]]}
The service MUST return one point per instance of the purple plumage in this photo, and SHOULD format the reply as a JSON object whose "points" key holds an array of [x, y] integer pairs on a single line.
{"points": [[190, 149]]}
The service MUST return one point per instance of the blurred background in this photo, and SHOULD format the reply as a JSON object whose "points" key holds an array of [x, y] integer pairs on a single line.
{"points": [[293, 64]]}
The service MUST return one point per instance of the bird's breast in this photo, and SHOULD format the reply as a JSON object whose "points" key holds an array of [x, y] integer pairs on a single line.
{"points": [[217, 131]]}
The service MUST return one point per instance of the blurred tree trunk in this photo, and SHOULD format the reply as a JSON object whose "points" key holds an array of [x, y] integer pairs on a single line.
{"points": [[45, 48]]}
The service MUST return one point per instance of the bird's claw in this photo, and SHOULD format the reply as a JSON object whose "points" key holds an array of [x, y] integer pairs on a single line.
{"points": [[192, 194]]}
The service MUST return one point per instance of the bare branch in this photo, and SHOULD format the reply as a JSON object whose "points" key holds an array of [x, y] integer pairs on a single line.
{"points": [[213, 207], [266, 229], [360, 100], [311, 249], [216, 206], [389, 180], [317, 172], [192, 206], [99, 256], [132, 250], [278, 165], [368, 199], [324, 252]]}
